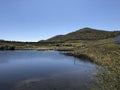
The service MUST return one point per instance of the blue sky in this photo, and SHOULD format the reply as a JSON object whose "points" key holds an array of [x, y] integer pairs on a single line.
{"points": [[33, 20]]}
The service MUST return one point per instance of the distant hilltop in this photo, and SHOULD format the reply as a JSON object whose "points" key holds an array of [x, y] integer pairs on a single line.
{"points": [[84, 34]]}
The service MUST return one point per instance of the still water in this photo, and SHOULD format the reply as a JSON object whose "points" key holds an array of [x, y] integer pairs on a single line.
{"points": [[44, 70]]}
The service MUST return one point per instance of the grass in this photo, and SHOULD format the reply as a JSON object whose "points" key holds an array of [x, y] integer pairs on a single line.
{"points": [[102, 52], [107, 54]]}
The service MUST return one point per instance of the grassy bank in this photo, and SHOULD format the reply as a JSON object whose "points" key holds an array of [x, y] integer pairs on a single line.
{"points": [[107, 54], [102, 52]]}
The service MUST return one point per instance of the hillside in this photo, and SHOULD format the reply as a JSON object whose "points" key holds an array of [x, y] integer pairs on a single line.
{"points": [[85, 34]]}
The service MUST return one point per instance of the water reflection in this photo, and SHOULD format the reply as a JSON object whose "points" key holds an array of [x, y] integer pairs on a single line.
{"points": [[43, 70]]}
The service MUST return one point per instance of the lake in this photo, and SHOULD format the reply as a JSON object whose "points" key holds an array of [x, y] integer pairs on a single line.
{"points": [[44, 70]]}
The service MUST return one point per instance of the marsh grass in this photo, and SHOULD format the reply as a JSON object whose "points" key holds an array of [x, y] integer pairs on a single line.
{"points": [[106, 54]]}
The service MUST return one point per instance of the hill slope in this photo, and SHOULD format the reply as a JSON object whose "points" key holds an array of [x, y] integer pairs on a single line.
{"points": [[85, 34]]}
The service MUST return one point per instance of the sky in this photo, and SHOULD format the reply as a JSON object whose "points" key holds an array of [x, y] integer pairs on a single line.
{"points": [[34, 20]]}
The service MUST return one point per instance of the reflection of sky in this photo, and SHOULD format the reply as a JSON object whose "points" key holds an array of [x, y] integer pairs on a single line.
{"points": [[22, 65], [4, 57]]}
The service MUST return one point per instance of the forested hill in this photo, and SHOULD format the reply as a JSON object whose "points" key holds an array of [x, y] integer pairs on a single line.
{"points": [[85, 34]]}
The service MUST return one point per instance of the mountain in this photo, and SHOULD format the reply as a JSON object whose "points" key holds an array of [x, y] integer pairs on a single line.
{"points": [[84, 34]]}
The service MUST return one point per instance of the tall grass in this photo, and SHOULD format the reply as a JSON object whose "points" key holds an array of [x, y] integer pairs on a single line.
{"points": [[108, 56]]}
